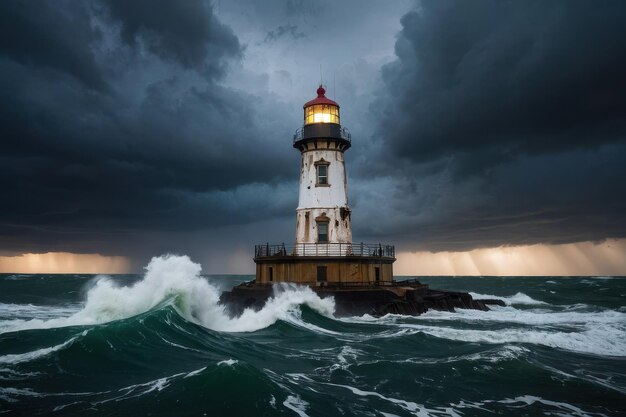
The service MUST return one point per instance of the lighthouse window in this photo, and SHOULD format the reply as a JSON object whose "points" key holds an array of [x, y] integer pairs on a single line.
{"points": [[322, 174], [322, 232]]}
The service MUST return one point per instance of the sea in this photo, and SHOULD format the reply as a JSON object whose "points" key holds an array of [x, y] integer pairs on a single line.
{"points": [[160, 344]]}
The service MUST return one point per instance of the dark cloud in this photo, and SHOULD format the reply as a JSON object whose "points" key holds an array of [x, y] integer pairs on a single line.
{"points": [[103, 141], [288, 30], [515, 110], [507, 78], [186, 31], [51, 36]]}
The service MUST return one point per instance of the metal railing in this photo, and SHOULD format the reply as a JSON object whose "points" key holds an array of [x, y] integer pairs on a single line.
{"points": [[325, 249], [343, 133]]}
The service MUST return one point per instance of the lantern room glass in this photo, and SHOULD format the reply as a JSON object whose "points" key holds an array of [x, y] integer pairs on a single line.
{"points": [[321, 113]]}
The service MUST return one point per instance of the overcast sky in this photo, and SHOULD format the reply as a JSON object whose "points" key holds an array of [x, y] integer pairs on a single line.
{"points": [[138, 128]]}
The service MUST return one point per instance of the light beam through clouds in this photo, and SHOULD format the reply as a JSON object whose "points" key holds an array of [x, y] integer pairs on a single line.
{"points": [[64, 263], [583, 258]]}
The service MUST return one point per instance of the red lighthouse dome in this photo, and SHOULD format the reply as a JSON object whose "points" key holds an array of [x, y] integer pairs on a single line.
{"points": [[321, 109]]}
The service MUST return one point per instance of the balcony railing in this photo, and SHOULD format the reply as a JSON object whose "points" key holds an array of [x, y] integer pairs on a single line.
{"points": [[325, 249], [343, 134]]}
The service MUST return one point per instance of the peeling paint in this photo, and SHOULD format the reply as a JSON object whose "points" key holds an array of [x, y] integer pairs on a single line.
{"points": [[330, 202]]}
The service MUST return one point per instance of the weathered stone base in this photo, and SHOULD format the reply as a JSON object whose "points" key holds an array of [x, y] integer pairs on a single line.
{"points": [[398, 298]]}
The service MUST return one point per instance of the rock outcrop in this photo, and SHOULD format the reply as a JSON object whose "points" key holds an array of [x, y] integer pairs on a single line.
{"points": [[408, 298]]}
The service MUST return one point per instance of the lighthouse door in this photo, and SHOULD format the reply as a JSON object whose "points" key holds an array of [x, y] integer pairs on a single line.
{"points": [[321, 274]]}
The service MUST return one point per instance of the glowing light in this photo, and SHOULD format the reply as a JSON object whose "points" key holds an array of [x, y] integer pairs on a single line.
{"points": [[321, 113], [321, 118], [64, 263]]}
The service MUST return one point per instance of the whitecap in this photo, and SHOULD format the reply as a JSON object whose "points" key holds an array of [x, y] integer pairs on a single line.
{"points": [[35, 354], [8, 394], [32, 311], [297, 405], [531, 399], [608, 341], [176, 279], [571, 316], [518, 298], [410, 406], [196, 372]]}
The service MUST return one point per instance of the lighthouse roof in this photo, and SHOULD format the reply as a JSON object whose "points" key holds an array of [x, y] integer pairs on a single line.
{"points": [[320, 99]]}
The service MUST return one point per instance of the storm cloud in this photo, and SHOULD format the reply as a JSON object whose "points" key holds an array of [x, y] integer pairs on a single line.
{"points": [[134, 128], [113, 122], [509, 118]]}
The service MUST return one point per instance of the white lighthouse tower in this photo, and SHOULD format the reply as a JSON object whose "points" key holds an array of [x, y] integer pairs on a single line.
{"points": [[323, 215]]}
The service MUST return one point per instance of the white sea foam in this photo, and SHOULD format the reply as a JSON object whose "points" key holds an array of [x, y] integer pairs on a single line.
{"points": [[138, 390], [558, 408], [35, 354], [531, 399], [196, 372], [297, 405], [413, 408], [228, 362], [177, 279], [506, 353], [519, 298], [31, 311], [600, 341], [530, 317], [598, 332], [9, 394]]}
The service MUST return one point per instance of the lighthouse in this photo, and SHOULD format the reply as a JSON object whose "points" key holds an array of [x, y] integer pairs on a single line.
{"points": [[323, 254], [323, 215]]}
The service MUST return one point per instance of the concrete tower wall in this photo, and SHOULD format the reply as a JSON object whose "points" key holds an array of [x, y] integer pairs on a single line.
{"points": [[327, 203]]}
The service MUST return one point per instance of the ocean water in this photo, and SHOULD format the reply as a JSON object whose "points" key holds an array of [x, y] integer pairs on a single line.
{"points": [[159, 344]]}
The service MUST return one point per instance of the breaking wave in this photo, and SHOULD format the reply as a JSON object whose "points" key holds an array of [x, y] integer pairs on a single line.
{"points": [[176, 280], [589, 332]]}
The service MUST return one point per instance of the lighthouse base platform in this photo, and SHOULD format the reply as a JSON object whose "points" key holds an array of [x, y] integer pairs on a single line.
{"points": [[396, 297]]}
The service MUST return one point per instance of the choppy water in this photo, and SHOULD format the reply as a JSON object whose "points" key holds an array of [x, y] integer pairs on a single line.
{"points": [[161, 345]]}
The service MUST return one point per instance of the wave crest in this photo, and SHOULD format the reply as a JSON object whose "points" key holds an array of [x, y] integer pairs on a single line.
{"points": [[518, 298], [177, 280]]}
